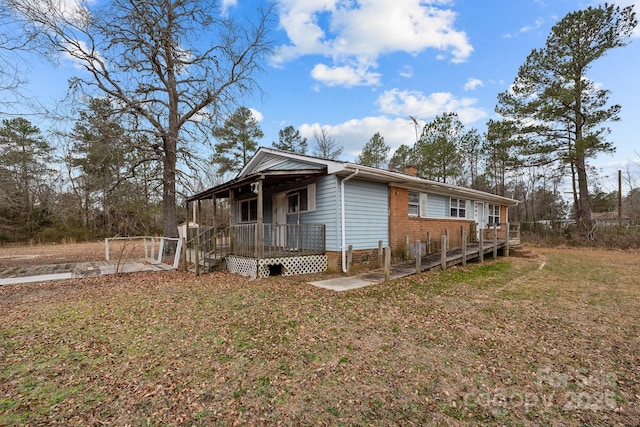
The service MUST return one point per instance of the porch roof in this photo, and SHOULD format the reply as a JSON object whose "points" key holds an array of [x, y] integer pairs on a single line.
{"points": [[269, 178]]}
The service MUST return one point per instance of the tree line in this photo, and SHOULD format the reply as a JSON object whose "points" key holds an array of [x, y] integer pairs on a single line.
{"points": [[159, 109]]}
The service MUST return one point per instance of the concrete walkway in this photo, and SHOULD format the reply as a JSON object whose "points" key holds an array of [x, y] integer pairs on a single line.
{"points": [[44, 273]]}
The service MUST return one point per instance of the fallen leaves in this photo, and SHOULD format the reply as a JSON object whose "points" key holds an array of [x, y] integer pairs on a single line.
{"points": [[172, 348]]}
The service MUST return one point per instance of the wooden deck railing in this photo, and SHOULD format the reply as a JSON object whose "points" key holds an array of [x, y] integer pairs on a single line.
{"points": [[211, 245], [286, 240]]}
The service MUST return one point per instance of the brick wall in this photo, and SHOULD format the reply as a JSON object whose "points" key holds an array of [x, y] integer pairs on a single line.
{"points": [[401, 225], [360, 259]]}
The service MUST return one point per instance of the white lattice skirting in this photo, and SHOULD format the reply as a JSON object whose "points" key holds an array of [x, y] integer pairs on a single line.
{"points": [[286, 266]]}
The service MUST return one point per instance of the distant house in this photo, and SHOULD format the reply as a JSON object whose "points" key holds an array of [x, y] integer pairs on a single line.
{"points": [[291, 213], [609, 218]]}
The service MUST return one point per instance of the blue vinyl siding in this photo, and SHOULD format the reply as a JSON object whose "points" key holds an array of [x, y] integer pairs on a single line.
{"points": [[367, 214], [327, 210], [293, 165], [437, 206]]}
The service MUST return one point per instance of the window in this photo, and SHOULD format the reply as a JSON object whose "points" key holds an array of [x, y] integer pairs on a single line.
{"points": [[458, 208], [249, 210], [417, 204], [494, 214], [298, 201], [414, 203]]}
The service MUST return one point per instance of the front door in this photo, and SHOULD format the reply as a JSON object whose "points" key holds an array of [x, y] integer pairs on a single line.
{"points": [[280, 219]]}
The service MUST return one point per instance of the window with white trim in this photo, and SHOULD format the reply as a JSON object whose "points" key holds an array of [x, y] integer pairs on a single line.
{"points": [[301, 200], [414, 203], [249, 210], [494, 214], [458, 208], [417, 204]]}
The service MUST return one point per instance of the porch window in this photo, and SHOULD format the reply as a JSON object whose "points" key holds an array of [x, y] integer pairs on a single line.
{"points": [[494, 214], [297, 201], [458, 208], [249, 210], [301, 200]]}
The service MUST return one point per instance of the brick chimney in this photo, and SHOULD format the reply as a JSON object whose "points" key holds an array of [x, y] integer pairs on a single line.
{"points": [[411, 170]]}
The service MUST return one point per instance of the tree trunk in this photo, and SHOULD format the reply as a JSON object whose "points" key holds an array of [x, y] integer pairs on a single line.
{"points": [[169, 210], [584, 203]]}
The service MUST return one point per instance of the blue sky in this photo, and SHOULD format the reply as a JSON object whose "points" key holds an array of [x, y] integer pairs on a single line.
{"points": [[360, 67], [363, 70]]}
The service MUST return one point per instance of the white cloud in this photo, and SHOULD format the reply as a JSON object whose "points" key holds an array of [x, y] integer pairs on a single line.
{"points": [[406, 72], [525, 29], [417, 104], [79, 54], [356, 34], [354, 134], [256, 114], [473, 84], [395, 123], [344, 76], [228, 4], [74, 11]]}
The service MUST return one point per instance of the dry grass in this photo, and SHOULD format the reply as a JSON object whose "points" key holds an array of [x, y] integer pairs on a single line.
{"points": [[550, 340], [20, 256]]}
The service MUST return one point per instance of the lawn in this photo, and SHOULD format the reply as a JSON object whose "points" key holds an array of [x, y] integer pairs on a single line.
{"points": [[547, 340]]}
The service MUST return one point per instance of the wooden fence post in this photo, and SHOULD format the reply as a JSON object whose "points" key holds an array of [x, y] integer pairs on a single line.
{"points": [[407, 248], [349, 257], [428, 243], [464, 248], [507, 237], [418, 257], [495, 241], [380, 254], [443, 252], [481, 246], [446, 233], [387, 264]]}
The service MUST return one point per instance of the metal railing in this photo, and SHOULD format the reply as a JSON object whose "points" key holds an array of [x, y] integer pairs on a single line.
{"points": [[155, 250]]}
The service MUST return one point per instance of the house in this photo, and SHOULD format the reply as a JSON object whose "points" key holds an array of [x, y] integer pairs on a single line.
{"points": [[291, 213], [609, 219]]}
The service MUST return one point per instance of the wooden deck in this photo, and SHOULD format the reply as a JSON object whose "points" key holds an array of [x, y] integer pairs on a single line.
{"points": [[434, 260]]}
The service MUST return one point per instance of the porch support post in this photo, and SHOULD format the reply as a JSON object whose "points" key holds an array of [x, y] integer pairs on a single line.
{"points": [[214, 209], [199, 213], [232, 204], [259, 223], [231, 207]]}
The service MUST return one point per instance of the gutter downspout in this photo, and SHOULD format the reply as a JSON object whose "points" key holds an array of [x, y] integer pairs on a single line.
{"points": [[343, 220]]}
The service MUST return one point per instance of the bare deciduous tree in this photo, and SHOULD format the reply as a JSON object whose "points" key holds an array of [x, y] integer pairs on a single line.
{"points": [[326, 146], [175, 66]]}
